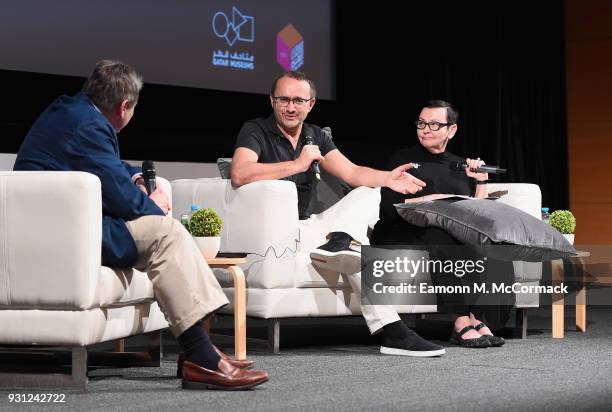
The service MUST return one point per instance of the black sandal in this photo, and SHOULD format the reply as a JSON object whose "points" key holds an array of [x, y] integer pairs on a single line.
{"points": [[457, 339], [493, 340]]}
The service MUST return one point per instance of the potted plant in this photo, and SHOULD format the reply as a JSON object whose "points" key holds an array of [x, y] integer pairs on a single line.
{"points": [[565, 222], [205, 227]]}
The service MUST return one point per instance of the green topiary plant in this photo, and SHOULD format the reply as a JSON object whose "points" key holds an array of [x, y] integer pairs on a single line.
{"points": [[205, 223], [563, 220]]}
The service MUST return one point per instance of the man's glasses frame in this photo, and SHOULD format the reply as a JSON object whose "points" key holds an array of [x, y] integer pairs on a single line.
{"points": [[433, 126], [297, 101]]}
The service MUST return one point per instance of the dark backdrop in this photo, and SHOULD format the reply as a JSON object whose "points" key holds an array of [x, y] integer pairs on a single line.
{"points": [[501, 65]]}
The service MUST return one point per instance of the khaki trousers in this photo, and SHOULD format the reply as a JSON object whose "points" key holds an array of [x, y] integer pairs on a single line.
{"points": [[184, 286]]}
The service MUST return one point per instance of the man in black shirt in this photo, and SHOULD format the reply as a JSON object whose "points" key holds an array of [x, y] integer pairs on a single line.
{"points": [[277, 148], [265, 138]]}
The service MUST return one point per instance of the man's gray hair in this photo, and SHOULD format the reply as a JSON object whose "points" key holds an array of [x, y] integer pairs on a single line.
{"points": [[111, 82]]}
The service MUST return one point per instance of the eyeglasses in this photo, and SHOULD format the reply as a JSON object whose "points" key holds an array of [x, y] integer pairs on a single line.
{"points": [[284, 100], [433, 126]]}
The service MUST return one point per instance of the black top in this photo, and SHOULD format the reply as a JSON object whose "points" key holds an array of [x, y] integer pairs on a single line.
{"points": [[435, 171], [265, 138]]}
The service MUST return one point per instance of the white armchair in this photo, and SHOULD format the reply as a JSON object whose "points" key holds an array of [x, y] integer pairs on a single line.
{"points": [[54, 292], [261, 218]]}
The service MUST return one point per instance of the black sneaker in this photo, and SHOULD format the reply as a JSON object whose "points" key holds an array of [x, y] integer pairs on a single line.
{"points": [[410, 345], [337, 255]]}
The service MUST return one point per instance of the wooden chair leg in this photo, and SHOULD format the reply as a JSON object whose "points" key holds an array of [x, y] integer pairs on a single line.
{"points": [[239, 312], [120, 345], [581, 322], [149, 358], [558, 300], [154, 346]]}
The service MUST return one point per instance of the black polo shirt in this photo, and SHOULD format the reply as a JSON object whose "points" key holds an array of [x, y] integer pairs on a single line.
{"points": [[265, 138]]}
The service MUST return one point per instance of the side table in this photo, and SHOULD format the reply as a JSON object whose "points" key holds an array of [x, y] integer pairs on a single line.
{"points": [[239, 301], [558, 300]]}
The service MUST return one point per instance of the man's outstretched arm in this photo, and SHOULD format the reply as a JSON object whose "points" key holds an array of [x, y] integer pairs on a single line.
{"points": [[397, 179]]}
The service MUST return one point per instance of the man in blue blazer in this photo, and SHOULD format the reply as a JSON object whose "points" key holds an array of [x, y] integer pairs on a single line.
{"points": [[73, 134], [80, 133]]}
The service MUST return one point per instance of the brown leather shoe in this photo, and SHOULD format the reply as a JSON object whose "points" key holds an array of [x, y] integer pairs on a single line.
{"points": [[227, 377], [241, 364]]}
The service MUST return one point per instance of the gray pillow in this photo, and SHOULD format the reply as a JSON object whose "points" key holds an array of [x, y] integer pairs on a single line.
{"points": [[486, 225]]}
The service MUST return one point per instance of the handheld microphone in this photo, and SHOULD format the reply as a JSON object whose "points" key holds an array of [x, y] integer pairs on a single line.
{"points": [[460, 166], [148, 174], [315, 164]]}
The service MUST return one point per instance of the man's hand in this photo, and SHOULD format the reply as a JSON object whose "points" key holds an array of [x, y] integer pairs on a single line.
{"points": [[402, 182], [309, 154], [474, 164], [158, 196], [161, 200], [139, 182]]}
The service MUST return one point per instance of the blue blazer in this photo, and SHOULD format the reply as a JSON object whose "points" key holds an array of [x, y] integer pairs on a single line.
{"points": [[72, 134]]}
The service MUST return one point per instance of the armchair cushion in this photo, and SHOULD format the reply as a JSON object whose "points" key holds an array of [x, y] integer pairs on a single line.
{"points": [[260, 218], [50, 238], [326, 193]]}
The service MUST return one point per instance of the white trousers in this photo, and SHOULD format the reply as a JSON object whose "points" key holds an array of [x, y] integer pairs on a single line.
{"points": [[352, 214]]}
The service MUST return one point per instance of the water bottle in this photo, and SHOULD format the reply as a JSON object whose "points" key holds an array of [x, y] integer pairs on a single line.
{"points": [[545, 214], [186, 218], [194, 208], [185, 221]]}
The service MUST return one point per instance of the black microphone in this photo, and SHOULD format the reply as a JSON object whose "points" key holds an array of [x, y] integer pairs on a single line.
{"points": [[148, 174], [460, 167], [315, 164]]}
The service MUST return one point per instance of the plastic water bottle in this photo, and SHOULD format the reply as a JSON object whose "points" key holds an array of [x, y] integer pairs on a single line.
{"points": [[194, 208], [186, 218], [545, 214], [185, 221]]}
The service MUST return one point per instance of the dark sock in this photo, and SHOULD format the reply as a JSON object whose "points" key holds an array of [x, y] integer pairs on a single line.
{"points": [[396, 330], [198, 347]]}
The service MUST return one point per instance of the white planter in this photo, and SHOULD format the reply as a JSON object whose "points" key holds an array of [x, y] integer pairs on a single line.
{"points": [[209, 246], [570, 238]]}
